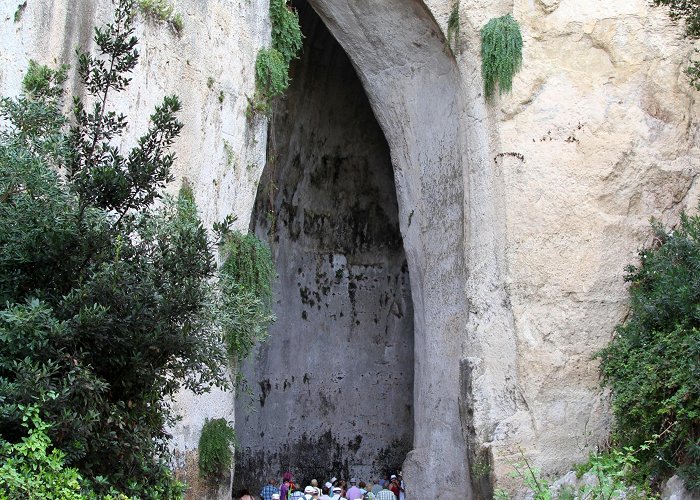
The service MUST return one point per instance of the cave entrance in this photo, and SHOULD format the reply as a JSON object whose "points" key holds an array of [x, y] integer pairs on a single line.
{"points": [[331, 391]]}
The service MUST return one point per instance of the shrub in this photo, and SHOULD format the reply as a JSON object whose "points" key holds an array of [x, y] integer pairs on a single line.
{"points": [[215, 442], [105, 297], [501, 54], [272, 64], [31, 469], [246, 292], [652, 364]]}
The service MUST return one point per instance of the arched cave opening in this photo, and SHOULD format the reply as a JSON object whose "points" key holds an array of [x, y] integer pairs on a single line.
{"points": [[331, 391]]}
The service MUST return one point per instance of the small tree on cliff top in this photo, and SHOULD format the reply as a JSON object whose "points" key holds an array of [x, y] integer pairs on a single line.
{"points": [[106, 299]]}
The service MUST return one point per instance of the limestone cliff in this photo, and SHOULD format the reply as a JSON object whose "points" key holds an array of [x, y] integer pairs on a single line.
{"points": [[516, 215]]}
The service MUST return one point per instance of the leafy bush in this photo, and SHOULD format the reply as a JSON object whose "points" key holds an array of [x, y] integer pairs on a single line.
{"points": [[214, 447], [272, 64], [501, 54], [286, 32], [271, 73], [653, 363], [106, 299], [612, 475], [246, 292], [29, 470]]}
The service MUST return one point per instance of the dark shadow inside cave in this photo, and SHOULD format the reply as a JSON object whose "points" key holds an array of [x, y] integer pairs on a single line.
{"points": [[331, 391]]}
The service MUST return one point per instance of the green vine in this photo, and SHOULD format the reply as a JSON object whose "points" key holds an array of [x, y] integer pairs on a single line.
{"points": [[453, 25], [246, 292], [272, 64], [215, 442], [501, 54]]}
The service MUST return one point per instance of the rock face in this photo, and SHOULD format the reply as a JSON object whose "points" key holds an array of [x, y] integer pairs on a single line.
{"points": [[516, 215], [333, 386]]}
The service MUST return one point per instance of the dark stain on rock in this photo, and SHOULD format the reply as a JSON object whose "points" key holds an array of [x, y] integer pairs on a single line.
{"points": [[265, 388]]}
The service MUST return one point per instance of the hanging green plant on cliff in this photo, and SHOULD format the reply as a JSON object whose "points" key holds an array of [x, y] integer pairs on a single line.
{"points": [[272, 64], [215, 442], [453, 25], [501, 54], [246, 292], [271, 73], [286, 32]]}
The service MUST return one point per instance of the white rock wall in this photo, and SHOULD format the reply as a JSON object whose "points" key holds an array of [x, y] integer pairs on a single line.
{"points": [[606, 123], [601, 114]]}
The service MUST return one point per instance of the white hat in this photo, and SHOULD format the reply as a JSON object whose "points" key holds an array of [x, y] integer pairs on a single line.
{"points": [[353, 480], [393, 476], [310, 490], [275, 496], [337, 488]]}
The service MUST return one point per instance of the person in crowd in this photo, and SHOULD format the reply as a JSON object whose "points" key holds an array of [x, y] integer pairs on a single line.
{"points": [[394, 485], [385, 493], [326, 491], [338, 493], [244, 495], [285, 488], [297, 493], [353, 492], [269, 489], [310, 493], [366, 491], [402, 488], [377, 487]]}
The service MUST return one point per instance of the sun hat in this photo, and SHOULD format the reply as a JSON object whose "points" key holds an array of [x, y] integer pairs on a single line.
{"points": [[393, 476], [310, 490], [275, 496], [337, 489]]}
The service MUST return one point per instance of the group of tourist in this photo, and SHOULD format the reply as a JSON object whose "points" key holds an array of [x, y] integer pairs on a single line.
{"points": [[334, 489]]}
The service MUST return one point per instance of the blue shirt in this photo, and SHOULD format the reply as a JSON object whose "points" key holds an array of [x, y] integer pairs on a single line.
{"points": [[267, 492]]}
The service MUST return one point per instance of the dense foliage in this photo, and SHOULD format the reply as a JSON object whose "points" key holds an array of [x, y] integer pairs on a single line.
{"points": [[501, 54], [272, 64], [246, 292], [689, 12], [215, 442], [107, 298], [31, 469], [653, 362]]}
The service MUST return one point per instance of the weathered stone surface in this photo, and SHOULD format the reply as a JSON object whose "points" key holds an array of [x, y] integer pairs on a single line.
{"points": [[523, 211], [332, 389]]}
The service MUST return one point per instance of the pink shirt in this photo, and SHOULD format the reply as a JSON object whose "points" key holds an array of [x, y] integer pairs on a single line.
{"points": [[353, 493]]}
